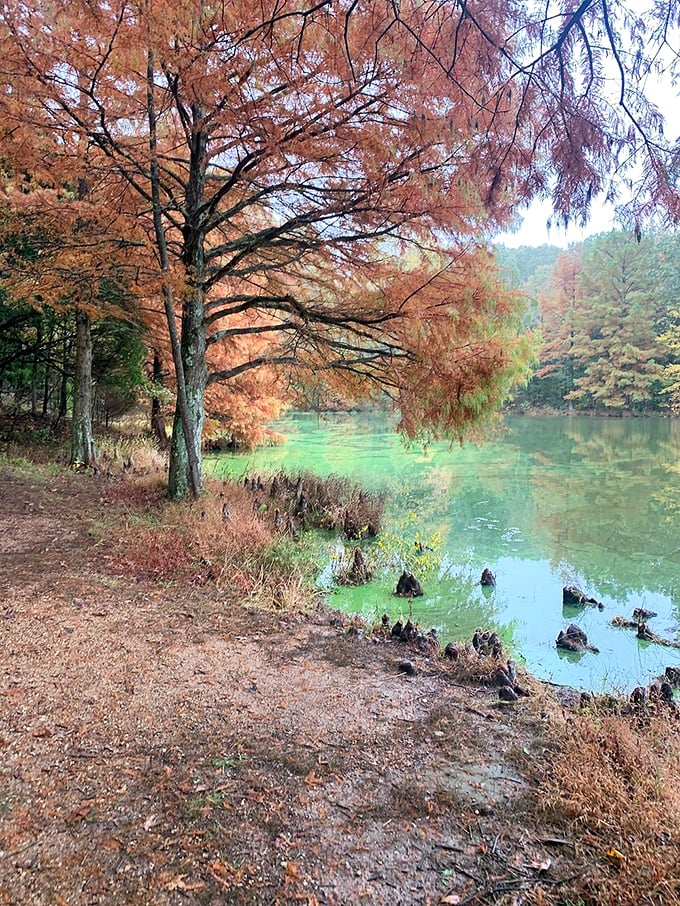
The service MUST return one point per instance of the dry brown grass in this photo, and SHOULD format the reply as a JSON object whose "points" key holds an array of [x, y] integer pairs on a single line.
{"points": [[210, 540], [472, 667], [614, 782], [138, 455], [306, 501], [221, 539]]}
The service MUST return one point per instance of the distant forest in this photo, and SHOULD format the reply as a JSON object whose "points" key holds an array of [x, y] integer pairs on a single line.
{"points": [[608, 316], [605, 315]]}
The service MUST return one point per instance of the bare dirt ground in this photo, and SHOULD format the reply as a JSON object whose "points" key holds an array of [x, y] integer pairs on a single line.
{"points": [[170, 745]]}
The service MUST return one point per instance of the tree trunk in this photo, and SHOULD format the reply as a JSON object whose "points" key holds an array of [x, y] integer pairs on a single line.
{"points": [[82, 439], [157, 417], [46, 390], [34, 366], [46, 384], [186, 447], [180, 477], [63, 397], [63, 388], [185, 457]]}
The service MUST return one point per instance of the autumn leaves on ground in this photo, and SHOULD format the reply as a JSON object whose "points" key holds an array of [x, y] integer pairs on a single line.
{"points": [[182, 721]]}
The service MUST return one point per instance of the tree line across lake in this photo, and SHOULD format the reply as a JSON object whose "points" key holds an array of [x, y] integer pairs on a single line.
{"points": [[605, 315], [608, 315]]}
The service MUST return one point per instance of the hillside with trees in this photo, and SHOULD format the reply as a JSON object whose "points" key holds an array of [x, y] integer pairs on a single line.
{"points": [[608, 318]]}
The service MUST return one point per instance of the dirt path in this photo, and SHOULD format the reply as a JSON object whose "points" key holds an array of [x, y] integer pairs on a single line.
{"points": [[171, 746]]}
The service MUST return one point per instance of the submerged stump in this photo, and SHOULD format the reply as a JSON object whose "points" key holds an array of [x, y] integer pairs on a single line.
{"points": [[358, 572], [574, 597], [488, 580], [408, 586], [573, 638], [646, 635]]}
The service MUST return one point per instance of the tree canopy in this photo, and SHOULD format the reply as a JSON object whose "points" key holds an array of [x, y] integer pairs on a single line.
{"points": [[308, 185], [607, 314]]}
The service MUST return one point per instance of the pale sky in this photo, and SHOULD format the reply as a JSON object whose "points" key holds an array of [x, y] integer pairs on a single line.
{"points": [[663, 91], [534, 231]]}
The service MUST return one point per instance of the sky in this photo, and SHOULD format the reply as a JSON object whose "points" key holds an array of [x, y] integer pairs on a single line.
{"points": [[664, 91], [534, 230]]}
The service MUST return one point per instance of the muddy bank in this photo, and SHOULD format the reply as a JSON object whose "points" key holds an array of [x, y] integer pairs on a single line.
{"points": [[173, 744]]}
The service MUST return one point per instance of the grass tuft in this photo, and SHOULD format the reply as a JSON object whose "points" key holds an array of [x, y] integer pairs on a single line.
{"points": [[305, 501], [615, 781]]}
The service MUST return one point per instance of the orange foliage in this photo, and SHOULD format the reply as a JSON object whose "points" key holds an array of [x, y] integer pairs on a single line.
{"points": [[320, 176], [560, 304]]}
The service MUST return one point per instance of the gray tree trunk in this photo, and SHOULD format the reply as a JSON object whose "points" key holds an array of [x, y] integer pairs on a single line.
{"points": [[157, 417], [82, 439], [195, 378], [189, 352], [34, 368], [63, 387]]}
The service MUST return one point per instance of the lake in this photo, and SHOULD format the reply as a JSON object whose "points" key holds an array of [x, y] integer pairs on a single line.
{"points": [[592, 502]]}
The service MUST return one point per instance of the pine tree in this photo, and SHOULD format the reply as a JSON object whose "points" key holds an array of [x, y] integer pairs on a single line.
{"points": [[615, 340]]}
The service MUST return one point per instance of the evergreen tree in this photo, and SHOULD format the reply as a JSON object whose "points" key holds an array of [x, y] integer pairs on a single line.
{"points": [[615, 337], [562, 309], [667, 277]]}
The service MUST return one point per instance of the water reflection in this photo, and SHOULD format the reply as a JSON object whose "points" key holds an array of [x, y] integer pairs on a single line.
{"points": [[553, 501], [610, 485]]}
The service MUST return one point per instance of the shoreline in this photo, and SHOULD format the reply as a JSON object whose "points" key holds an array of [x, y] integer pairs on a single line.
{"points": [[176, 741]]}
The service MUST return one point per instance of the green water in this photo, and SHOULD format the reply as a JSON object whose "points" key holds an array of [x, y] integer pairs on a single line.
{"points": [[552, 501]]}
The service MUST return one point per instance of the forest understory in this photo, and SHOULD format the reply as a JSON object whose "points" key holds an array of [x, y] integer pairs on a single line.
{"points": [[193, 739]]}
